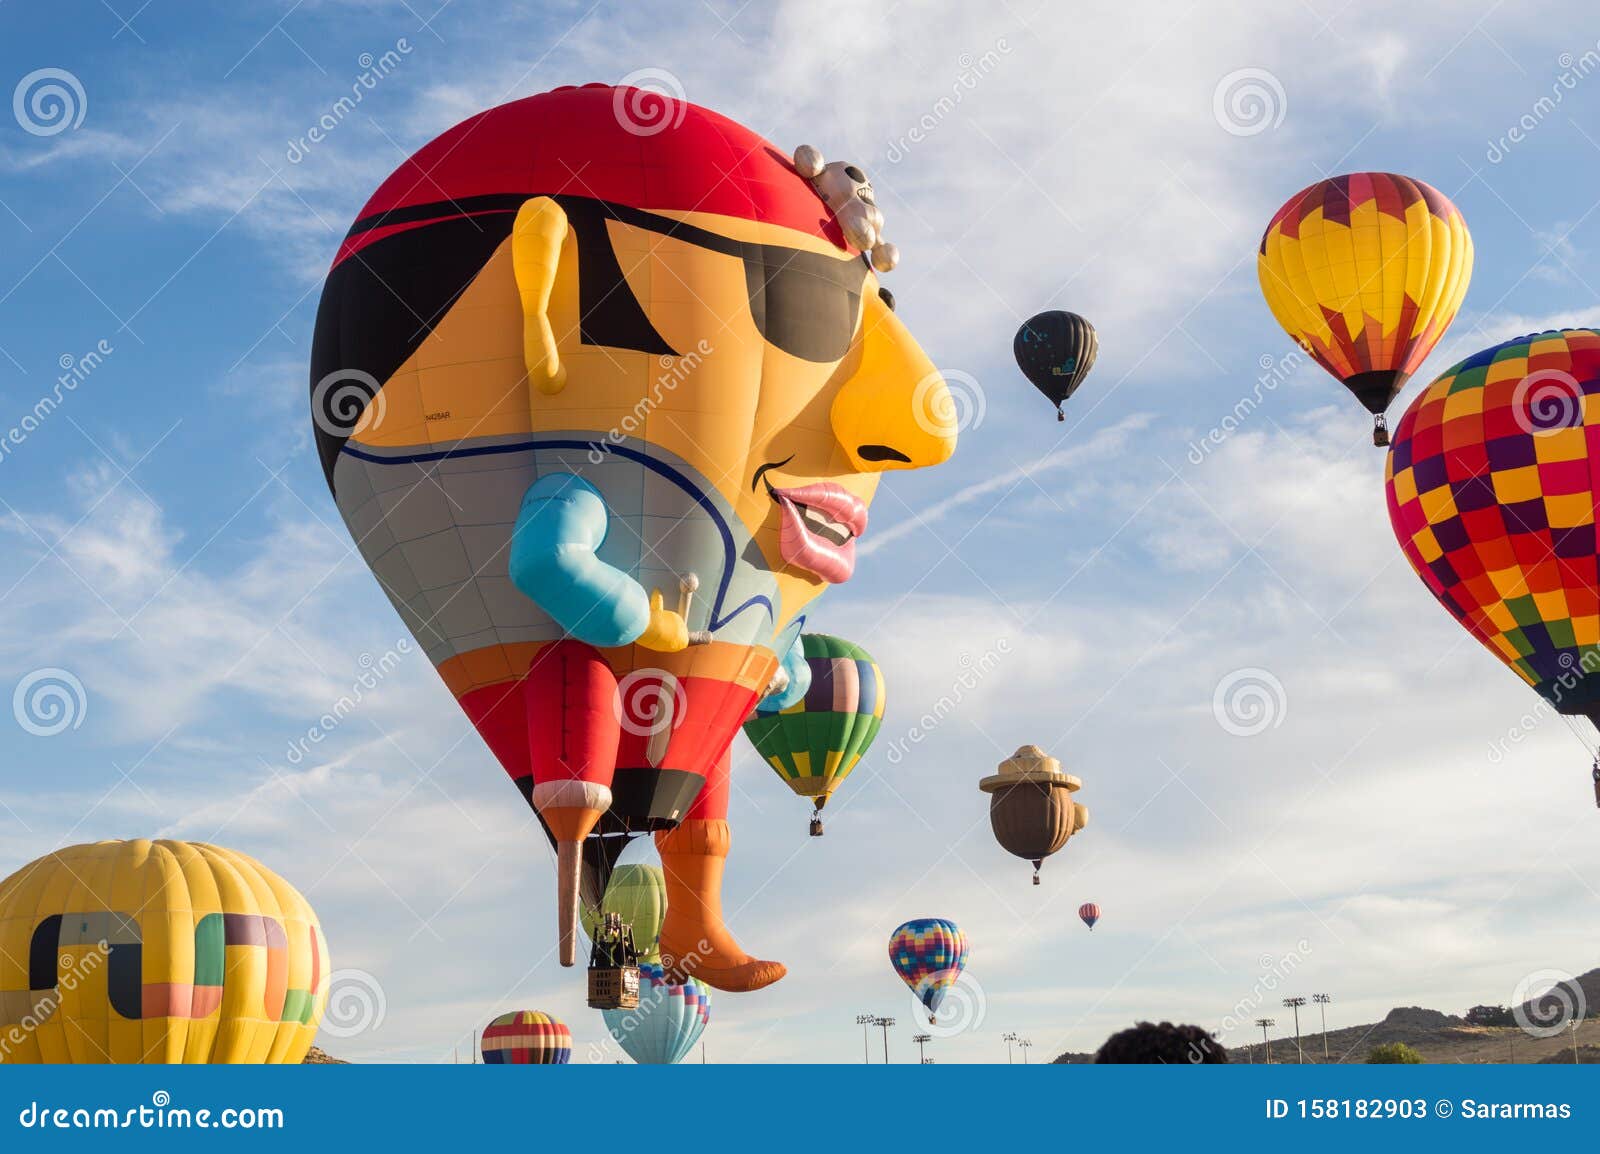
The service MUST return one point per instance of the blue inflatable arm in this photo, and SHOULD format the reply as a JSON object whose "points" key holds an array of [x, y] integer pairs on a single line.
{"points": [[794, 664], [561, 525]]}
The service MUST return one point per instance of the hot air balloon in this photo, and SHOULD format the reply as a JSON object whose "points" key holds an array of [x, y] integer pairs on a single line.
{"points": [[638, 894], [1366, 272], [526, 1038], [157, 952], [929, 955], [1030, 805], [669, 1019], [815, 743], [603, 410], [1492, 497], [1055, 350], [1089, 913]]}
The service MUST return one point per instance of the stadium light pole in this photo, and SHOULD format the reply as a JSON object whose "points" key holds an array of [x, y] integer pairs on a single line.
{"points": [[1266, 1041], [1025, 1044], [885, 1023], [1295, 1004], [1008, 1039], [1322, 1001], [922, 1040], [866, 1021]]}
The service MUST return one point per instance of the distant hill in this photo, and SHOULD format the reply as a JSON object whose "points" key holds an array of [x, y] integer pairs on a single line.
{"points": [[318, 1057], [1440, 1037]]}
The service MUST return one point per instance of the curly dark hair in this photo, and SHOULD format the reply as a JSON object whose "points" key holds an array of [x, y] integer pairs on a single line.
{"points": [[1166, 1044]]}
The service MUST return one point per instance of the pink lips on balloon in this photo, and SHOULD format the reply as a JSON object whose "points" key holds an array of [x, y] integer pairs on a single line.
{"points": [[821, 522]]}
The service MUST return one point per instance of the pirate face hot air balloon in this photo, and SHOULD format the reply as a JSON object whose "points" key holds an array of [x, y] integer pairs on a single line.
{"points": [[526, 1038], [603, 389], [929, 955], [668, 1021], [1366, 272], [1492, 495], [1055, 351], [157, 952], [1030, 805], [815, 743]]}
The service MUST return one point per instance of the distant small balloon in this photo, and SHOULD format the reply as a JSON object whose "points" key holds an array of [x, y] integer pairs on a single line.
{"points": [[1090, 913], [526, 1038], [1055, 350]]}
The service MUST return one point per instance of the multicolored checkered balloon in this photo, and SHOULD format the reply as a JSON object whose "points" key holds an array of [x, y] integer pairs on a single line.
{"points": [[1492, 494], [929, 955]]}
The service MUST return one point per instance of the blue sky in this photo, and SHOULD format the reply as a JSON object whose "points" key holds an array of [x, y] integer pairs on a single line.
{"points": [[169, 541]]}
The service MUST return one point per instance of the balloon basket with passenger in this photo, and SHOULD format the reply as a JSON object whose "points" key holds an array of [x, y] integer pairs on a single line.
{"points": [[613, 966]]}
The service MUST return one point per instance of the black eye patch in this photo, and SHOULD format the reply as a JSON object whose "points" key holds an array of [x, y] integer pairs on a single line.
{"points": [[805, 303]]}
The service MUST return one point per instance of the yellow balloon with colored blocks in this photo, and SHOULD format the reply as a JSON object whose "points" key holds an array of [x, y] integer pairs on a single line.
{"points": [[155, 952]]}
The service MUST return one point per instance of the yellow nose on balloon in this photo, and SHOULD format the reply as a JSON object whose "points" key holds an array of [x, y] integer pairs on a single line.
{"points": [[895, 411]]}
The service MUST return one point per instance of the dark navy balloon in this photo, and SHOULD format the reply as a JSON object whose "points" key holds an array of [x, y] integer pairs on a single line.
{"points": [[1055, 350]]}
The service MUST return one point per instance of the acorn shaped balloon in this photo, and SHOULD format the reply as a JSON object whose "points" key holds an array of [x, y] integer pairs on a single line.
{"points": [[1030, 805]]}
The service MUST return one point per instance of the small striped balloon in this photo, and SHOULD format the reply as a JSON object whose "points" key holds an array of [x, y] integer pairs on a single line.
{"points": [[1090, 913], [527, 1038]]}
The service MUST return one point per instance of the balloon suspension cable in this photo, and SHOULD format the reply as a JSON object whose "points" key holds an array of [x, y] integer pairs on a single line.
{"points": [[1380, 431]]}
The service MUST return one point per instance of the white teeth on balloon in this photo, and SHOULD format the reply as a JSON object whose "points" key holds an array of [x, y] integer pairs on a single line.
{"points": [[825, 526]]}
